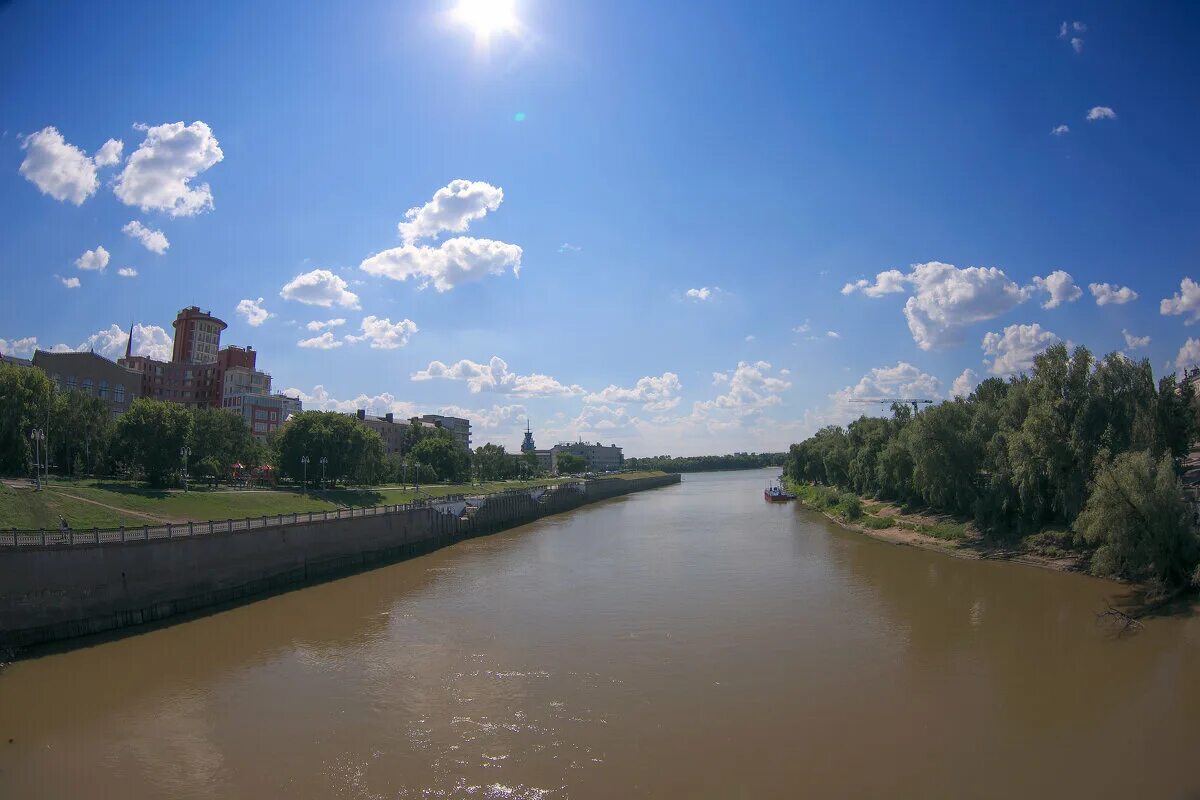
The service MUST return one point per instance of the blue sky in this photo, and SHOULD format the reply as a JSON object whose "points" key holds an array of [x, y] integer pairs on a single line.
{"points": [[617, 154]]}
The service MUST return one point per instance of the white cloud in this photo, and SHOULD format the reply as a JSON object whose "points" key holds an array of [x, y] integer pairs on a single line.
{"points": [[456, 261], [382, 334], [1185, 301], [152, 341], [1077, 44], [1134, 342], [326, 341], [1013, 350], [750, 389], [832, 335], [655, 393], [785, 371], [57, 168], [453, 208], [158, 176], [70, 283], [890, 281], [701, 294], [127, 272], [803, 327], [22, 348], [1106, 293], [152, 240], [1189, 354], [567, 247], [253, 312], [93, 260], [319, 325], [319, 288], [1060, 130], [319, 399], [109, 153], [1061, 288], [488, 419], [964, 384], [946, 299], [494, 376], [902, 380], [1101, 112]]}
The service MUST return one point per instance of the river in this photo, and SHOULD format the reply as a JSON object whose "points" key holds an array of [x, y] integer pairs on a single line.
{"points": [[691, 641]]}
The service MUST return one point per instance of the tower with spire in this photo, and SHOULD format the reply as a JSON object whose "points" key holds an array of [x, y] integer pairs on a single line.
{"points": [[528, 446], [129, 343]]}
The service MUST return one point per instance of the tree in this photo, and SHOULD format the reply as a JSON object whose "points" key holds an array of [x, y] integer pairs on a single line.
{"points": [[352, 450], [83, 431], [570, 464], [1137, 517], [220, 439], [25, 402], [442, 454], [150, 435], [492, 463], [529, 465]]}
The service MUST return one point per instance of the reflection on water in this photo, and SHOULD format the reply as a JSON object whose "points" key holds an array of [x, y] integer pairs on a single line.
{"points": [[690, 641]]}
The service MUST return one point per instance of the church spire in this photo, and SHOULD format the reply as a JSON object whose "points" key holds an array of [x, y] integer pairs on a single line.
{"points": [[129, 343]]}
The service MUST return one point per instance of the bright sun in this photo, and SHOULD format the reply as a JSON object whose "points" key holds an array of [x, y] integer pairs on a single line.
{"points": [[487, 17]]}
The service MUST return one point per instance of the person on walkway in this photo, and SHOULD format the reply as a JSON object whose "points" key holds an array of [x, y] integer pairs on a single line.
{"points": [[63, 527]]}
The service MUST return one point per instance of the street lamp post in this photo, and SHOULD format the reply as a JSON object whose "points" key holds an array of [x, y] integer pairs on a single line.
{"points": [[324, 461], [304, 461], [38, 436], [184, 452]]}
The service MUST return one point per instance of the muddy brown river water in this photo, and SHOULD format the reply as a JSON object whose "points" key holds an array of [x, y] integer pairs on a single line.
{"points": [[691, 641]]}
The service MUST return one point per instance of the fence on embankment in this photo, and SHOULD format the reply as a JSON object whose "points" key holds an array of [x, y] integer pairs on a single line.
{"points": [[56, 586]]}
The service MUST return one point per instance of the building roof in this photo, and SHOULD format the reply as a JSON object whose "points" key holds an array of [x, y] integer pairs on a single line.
{"points": [[68, 356], [15, 361]]}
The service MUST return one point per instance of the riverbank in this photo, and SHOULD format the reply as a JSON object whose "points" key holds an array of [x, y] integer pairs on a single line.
{"points": [[57, 586], [941, 533]]}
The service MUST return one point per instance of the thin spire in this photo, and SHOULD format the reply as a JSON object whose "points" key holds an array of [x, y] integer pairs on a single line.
{"points": [[129, 342]]}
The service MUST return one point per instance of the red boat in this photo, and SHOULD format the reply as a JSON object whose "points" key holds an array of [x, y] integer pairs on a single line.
{"points": [[776, 494]]}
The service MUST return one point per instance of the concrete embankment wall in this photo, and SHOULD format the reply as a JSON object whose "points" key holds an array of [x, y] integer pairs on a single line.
{"points": [[54, 592]]}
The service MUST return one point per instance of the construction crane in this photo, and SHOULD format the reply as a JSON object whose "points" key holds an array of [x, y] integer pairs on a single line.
{"points": [[892, 400]]}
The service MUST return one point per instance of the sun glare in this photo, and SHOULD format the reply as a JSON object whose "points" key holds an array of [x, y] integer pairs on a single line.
{"points": [[487, 17]]}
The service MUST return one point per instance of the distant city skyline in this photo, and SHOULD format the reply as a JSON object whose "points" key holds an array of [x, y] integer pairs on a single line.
{"points": [[690, 230]]}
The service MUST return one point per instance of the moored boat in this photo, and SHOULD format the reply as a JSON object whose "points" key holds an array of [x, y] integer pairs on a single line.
{"points": [[777, 494]]}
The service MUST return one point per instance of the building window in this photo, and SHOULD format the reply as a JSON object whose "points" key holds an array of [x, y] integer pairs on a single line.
{"points": [[71, 383], [103, 389], [119, 393], [87, 385]]}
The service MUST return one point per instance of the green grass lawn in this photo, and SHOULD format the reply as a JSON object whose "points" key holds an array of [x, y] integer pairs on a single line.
{"points": [[26, 509]]}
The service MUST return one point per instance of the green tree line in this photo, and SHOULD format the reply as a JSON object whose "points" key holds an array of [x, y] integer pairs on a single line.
{"points": [[708, 463], [1088, 446]]}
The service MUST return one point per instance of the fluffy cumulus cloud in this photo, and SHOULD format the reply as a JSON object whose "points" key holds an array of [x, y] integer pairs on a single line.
{"points": [[1134, 342], [326, 341], [964, 384], [320, 325], [902, 380], [495, 376], [127, 272], [159, 175], [148, 340], [654, 393], [319, 287], [1185, 301], [62, 170], [152, 240], [1060, 288], [701, 294], [453, 208], [70, 283], [1100, 112], [750, 389], [489, 419], [319, 399], [382, 334], [1012, 350], [456, 261], [93, 260], [1108, 294], [253, 313], [1189, 354], [890, 281], [1060, 130], [18, 347]]}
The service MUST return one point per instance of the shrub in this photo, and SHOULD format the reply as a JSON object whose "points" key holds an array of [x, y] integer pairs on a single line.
{"points": [[878, 523], [949, 531], [849, 506]]}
